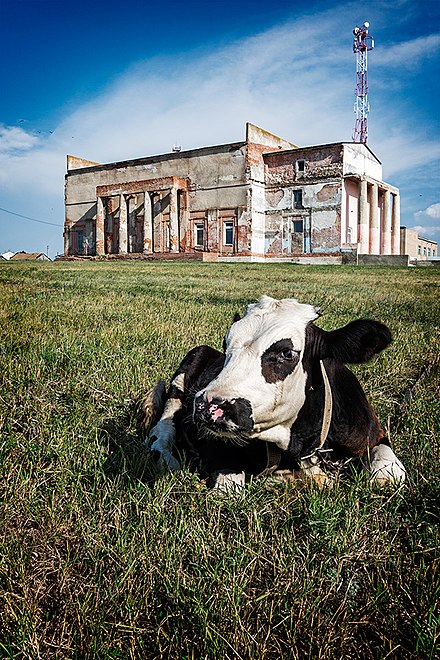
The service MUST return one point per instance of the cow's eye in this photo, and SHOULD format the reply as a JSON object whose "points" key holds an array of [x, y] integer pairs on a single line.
{"points": [[288, 354]]}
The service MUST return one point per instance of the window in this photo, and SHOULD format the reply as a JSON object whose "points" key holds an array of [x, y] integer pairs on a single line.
{"points": [[349, 234], [297, 226], [199, 229], [429, 252], [424, 252], [419, 249], [80, 238], [298, 199], [433, 252], [229, 232], [300, 165]]}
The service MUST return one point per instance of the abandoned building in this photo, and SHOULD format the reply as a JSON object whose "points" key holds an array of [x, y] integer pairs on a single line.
{"points": [[260, 198]]}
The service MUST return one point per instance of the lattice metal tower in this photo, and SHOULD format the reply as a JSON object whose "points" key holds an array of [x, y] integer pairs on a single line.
{"points": [[363, 42]]}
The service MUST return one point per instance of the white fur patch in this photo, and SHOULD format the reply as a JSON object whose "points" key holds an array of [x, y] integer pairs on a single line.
{"points": [[275, 406], [163, 435], [229, 482], [179, 382]]}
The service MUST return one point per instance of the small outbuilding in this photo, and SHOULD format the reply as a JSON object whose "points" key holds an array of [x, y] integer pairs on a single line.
{"points": [[30, 256]]}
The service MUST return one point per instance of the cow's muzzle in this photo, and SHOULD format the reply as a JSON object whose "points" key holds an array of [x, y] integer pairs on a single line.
{"points": [[223, 415]]}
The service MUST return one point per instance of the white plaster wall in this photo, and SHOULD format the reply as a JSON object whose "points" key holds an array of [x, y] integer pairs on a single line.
{"points": [[351, 211], [324, 219], [258, 208], [359, 160]]}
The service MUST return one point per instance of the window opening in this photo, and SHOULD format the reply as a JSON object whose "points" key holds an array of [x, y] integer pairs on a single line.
{"points": [[199, 234], [298, 199], [229, 232]]}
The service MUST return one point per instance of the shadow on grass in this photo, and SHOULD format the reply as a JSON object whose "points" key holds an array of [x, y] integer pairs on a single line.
{"points": [[127, 453]]}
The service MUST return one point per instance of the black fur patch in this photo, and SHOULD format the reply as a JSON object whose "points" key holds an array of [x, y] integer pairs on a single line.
{"points": [[279, 361]]}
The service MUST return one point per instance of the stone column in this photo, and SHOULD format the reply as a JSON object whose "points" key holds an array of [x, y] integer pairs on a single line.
{"points": [[66, 240], [395, 225], [99, 238], [174, 221], [374, 220], [123, 225], [386, 228], [363, 233], [148, 224]]}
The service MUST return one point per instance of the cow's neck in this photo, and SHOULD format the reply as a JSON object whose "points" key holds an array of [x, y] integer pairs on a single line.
{"points": [[281, 435]]}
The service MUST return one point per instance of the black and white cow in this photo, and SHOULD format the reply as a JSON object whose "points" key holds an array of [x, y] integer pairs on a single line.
{"points": [[278, 398]]}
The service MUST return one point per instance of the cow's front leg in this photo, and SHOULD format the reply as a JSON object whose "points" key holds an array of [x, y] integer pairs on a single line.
{"points": [[162, 437], [385, 466]]}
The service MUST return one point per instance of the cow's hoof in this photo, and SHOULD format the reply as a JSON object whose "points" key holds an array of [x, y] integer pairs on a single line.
{"points": [[385, 467], [229, 482]]}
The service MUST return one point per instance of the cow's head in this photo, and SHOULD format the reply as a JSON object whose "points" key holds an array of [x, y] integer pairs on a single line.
{"points": [[262, 386]]}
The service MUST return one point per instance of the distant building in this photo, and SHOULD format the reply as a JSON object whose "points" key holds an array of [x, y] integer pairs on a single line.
{"points": [[415, 246], [30, 256], [261, 198], [7, 255]]}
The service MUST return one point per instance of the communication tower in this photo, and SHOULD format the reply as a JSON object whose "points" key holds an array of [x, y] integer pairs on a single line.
{"points": [[362, 43]]}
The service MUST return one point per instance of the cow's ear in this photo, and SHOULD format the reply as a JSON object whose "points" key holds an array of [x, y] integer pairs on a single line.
{"points": [[358, 341]]}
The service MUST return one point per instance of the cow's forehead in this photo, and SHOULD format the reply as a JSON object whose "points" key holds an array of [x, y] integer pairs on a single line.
{"points": [[269, 320]]}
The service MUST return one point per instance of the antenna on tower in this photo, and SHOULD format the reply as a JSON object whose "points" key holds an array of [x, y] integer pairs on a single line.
{"points": [[363, 42]]}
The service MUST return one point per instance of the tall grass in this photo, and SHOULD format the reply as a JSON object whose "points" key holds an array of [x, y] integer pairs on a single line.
{"points": [[102, 558]]}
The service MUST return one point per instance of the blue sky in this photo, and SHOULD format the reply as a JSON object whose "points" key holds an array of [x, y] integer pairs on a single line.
{"points": [[109, 80]]}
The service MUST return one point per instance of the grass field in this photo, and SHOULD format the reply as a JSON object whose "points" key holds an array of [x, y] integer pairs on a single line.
{"points": [[99, 559]]}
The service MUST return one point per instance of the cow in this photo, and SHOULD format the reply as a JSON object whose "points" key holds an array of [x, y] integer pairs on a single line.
{"points": [[278, 399]]}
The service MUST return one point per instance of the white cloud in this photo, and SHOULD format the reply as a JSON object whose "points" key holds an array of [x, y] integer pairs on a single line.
{"points": [[429, 217], [427, 221], [433, 211], [13, 139], [429, 232], [408, 54]]}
